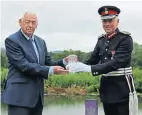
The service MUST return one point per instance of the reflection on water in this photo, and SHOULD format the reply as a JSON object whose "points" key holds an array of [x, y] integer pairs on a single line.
{"points": [[65, 105]]}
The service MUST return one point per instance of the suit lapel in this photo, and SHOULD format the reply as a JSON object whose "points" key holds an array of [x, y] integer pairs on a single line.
{"points": [[28, 44]]}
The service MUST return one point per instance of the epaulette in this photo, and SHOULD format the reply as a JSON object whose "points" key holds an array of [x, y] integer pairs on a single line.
{"points": [[126, 33], [101, 36]]}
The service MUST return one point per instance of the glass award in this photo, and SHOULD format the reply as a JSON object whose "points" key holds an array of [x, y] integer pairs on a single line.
{"points": [[72, 60]]}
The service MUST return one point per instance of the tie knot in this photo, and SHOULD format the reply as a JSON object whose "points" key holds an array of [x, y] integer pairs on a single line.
{"points": [[31, 40]]}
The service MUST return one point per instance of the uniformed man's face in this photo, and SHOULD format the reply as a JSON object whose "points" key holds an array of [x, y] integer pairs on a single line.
{"points": [[28, 24], [110, 25]]}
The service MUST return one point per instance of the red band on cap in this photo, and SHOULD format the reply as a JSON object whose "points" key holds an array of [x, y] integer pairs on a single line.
{"points": [[109, 12]]}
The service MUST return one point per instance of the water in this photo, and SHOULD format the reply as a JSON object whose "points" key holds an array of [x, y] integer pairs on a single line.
{"points": [[68, 105]]}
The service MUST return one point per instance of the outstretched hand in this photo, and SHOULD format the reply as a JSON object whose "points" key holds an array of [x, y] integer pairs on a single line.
{"points": [[60, 70]]}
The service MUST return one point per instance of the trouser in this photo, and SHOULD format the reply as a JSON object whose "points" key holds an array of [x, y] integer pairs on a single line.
{"points": [[17, 110], [117, 108]]}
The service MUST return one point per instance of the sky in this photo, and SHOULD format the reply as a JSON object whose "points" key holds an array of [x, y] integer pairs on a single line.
{"points": [[68, 25]]}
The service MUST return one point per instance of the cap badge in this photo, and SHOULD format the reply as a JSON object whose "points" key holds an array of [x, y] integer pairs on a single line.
{"points": [[106, 11]]}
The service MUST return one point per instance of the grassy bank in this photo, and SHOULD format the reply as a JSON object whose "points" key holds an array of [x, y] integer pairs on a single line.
{"points": [[78, 84]]}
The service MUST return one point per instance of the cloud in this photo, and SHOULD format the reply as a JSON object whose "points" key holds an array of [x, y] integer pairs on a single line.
{"points": [[70, 25]]}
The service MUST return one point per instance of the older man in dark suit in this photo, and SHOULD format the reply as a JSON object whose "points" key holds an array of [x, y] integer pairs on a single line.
{"points": [[29, 65]]}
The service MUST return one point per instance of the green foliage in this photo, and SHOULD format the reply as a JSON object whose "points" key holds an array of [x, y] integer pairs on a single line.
{"points": [[82, 56], [79, 80], [60, 55], [4, 60], [71, 80], [137, 56], [3, 77], [138, 79]]}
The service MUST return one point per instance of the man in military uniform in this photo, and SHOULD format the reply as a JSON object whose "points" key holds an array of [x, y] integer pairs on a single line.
{"points": [[112, 58]]}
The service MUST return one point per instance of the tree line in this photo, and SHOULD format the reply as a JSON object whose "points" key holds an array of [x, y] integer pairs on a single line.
{"points": [[82, 56]]}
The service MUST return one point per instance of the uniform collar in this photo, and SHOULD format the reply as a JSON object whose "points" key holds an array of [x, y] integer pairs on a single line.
{"points": [[27, 36], [110, 36]]}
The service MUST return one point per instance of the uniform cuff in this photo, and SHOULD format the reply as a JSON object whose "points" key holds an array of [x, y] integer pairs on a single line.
{"points": [[94, 73]]}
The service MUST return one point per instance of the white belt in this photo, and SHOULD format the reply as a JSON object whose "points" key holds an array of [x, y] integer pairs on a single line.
{"points": [[120, 71]]}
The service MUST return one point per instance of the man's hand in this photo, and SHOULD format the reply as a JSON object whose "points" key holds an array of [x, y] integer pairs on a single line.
{"points": [[60, 70]]}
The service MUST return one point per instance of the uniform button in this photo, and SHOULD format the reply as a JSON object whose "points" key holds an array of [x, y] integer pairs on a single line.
{"points": [[108, 41], [105, 57], [95, 73], [106, 49]]}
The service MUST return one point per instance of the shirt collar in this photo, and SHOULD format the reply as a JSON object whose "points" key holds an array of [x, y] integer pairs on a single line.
{"points": [[27, 36]]}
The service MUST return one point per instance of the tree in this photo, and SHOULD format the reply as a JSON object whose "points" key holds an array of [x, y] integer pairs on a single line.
{"points": [[4, 60], [137, 56], [82, 56]]}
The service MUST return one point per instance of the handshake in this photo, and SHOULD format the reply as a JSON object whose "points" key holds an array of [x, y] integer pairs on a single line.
{"points": [[72, 66]]}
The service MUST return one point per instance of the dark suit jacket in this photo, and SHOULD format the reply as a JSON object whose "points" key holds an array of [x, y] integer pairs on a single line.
{"points": [[25, 79]]}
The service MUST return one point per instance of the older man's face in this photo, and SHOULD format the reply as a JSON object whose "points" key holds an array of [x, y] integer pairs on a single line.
{"points": [[28, 24], [110, 25]]}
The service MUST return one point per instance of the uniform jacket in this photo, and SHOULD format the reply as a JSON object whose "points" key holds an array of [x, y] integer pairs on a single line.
{"points": [[109, 55]]}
